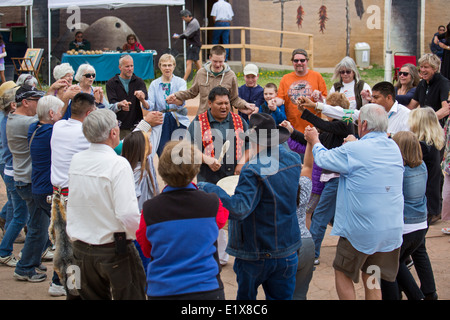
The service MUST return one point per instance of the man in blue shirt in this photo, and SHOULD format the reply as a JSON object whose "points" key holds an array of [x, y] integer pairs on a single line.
{"points": [[369, 204], [263, 226]]}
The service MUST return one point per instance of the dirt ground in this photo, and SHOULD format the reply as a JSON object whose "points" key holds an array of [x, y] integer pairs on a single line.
{"points": [[322, 286]]}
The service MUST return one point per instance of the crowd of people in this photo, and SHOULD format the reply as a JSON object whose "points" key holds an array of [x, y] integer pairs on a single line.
{"points": [[78, 164]]}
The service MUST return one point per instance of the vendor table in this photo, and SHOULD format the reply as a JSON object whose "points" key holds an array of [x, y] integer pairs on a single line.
{"points": [[107, 64]]}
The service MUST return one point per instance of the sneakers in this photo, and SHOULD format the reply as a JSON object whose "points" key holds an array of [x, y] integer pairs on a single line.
{"points": [[316, 262], [48, 254], [56, 290], [445, 230], [10, 260], [37, 277]]}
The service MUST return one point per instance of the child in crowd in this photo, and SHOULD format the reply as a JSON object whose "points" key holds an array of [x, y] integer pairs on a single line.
{"points": [[137, 149], [179, 230], [270, 105], [251, 91]]}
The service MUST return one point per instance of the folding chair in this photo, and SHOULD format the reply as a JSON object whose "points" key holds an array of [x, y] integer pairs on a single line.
{"points": [[400, 58], [30, 63]]}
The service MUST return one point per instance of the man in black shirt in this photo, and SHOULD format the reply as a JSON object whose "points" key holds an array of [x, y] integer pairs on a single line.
{"points": [[432, 91], [192, 36], [127, 86]]}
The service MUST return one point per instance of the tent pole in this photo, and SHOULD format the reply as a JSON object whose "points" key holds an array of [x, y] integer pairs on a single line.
{"points": [[168, 27], [49, 64], [30, 13], [184, 42]]}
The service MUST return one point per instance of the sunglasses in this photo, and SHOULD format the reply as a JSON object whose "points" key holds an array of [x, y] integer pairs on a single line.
{"points": [[299, 60], [89, 75], [405, 74], [345, 71]]}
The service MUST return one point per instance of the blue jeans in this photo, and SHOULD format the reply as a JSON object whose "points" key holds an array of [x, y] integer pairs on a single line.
{"points": [[305, 269], [277, 276], [6, 212], [324, 213], [18, 220], [224, 34], [37, 236]]}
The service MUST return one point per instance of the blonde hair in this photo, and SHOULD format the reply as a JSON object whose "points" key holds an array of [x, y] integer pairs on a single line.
{"points": [[167, 57], [338, 99], [409, 147], [179, 163], [424, 123], [432, 59]]}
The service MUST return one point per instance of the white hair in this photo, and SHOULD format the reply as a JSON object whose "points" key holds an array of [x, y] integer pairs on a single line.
{"points": [[375, 116], [47, 103], [61, 70], [26, 78], [82, 69], [98, 124]]}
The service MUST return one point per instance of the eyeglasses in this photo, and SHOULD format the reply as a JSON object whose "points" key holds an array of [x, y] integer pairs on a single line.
{"points": [[345, 71], [89, 75], [401, 73], [299, 60]]}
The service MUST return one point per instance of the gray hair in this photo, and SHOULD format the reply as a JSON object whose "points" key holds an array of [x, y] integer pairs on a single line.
{"points": [[376, 117], [346, 63], [98, 124], [47, 103], [26, 78], [82, 69], [125, 56], [61, 70]]}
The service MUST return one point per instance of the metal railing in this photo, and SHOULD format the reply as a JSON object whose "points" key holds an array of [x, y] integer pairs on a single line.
{"points": [[243, 45]]}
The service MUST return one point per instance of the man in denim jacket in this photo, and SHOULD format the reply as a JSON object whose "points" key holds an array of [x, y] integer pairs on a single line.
{"points": [[264, 233]]}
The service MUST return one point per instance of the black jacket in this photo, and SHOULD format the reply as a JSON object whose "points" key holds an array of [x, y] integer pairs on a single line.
{"points": [[115, 92]]}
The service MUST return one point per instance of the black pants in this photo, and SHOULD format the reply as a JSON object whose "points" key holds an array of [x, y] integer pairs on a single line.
{"points": [[104, 275]]}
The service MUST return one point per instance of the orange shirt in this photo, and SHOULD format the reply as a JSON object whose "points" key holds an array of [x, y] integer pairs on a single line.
{"points": [[292, 87]]}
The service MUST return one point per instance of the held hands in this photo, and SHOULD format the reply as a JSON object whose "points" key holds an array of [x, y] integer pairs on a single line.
{"points": [[311, 135], [140, 95], [154, 118], [288, 126], [272, 104], [98, 94], [124, 105], [317, 96], [71, 92], [212, 163], [303, 102], [365, 94], [349, 138], [250, 108]]}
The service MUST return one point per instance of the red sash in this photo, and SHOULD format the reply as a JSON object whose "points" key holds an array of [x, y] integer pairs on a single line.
{"points": [[208, 144]]}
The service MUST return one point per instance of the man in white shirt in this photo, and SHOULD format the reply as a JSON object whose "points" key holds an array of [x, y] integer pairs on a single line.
{"points": [[222, 14], [383, 93], [103, 215]]}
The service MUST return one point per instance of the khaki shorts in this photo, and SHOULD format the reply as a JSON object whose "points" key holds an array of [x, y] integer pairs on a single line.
{"points": [[350, 261]]}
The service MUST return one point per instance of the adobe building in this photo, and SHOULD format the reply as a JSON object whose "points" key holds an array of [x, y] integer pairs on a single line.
{"points": [[336, 27]]}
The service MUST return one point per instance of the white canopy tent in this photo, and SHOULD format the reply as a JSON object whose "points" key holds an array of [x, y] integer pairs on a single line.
{"points": [[105, 4], [29, 5]]}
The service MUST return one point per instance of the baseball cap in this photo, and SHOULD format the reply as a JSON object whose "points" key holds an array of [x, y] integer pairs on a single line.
{"points": [[26, 91], [251, 69]]}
